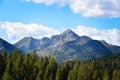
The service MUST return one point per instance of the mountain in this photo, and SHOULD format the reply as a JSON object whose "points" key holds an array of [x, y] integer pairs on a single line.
{"points": [[4, 45], [28, 44], [68, 46], [112, 48]]}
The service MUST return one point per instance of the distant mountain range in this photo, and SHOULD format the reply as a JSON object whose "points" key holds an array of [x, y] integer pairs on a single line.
{"points": [[67, 46]]}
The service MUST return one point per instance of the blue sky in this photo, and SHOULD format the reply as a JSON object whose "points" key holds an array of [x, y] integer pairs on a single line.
{"points": [[49, 17]]}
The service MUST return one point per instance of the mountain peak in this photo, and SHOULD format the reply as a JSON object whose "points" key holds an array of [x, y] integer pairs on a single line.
{"points": [[68, 31], [68, 35], [28, 38]]}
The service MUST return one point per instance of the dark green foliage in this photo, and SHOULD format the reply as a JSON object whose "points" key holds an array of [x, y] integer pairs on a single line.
{"points": [[50, 69], [62, 71], [73, 74], [2, 65], [4, 54], [16, 66], [8, 74], [116, 74], [84, 73], [106, 75]]}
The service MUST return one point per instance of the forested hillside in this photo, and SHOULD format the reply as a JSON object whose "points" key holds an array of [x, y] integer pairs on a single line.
{"points": [[17, 66]]}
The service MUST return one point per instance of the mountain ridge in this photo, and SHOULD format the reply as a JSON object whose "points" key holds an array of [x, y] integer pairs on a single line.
{"points": [[65, 46], [69, 46]]}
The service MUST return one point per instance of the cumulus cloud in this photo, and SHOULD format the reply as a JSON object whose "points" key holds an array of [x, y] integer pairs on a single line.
{"points": [[19, 30], [111, 36], [96, 8], [88, 8]]}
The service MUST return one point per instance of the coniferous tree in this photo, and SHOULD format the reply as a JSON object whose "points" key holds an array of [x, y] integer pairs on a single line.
{"points": [[4, 54], [2, 65], [8, 75], [41, 65], [106, 75], [19, 68], [84, 73], [50, 69], [39, 75], [73, 74], [116, 74], [62, 72]]}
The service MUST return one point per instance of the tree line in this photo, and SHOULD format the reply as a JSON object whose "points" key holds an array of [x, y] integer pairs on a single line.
{"points": [[16, 66]]}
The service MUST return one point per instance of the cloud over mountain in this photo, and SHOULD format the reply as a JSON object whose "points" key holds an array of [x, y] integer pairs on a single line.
{"points": [[112, 36], [17, 30], [20, 30], [88, 8]]}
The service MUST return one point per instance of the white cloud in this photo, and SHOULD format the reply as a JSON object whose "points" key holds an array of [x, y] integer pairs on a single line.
{"points": [[96, 8], [88, 8], [111, 36], [16, 31]]}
